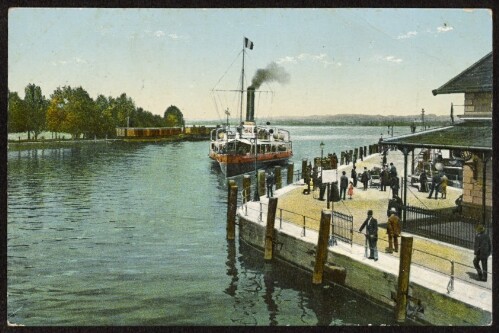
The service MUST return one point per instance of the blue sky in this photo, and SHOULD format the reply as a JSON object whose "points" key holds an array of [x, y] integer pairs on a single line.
{"points": [[371, 61]]}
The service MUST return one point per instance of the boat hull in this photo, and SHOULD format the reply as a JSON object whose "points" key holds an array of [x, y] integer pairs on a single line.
{"points": [[233, 165]]}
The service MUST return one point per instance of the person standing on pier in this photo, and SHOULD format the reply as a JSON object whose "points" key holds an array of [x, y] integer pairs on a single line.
{"points": [[443, 186], [270, 184], [353, 175], [343, 184], [365, 178], [371, 225], [435, 185], [482, 252], [394, 185], [393, 231], [307, 180], [350, 190], [383, 179], [423, 180]]}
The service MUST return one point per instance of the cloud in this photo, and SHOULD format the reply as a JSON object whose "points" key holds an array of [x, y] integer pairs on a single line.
{"points": [[410, 34], [444, 28], [392, 59], [73, 61], [321, 58], [159, 33]]}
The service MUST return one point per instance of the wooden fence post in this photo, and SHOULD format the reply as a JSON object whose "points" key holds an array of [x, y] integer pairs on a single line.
{"points": [[269, 231], [291, 170], [322, 244], [231, 213], [278, 177], [247, 187], [403, 280]]}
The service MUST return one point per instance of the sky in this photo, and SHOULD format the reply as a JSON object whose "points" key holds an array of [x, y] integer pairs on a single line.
{"points": [[339, 61]]}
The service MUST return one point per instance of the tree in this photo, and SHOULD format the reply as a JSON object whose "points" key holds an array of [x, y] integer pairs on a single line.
{"points": [[16, 114], [173, 117], [36, 108]]}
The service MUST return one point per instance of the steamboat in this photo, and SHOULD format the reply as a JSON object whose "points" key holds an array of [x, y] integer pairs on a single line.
{"points": [[248, 146]]}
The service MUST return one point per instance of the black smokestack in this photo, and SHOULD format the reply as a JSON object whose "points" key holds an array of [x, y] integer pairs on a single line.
{"points": [[273, 72], [250, 104]]}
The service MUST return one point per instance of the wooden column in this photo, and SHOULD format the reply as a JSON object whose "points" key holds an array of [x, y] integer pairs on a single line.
{"points": [[247, 188], [269, 231], [403, 281], [261, 183], [291, 170], [303, 167], [231, 213], [278, 177], [322, 243]]}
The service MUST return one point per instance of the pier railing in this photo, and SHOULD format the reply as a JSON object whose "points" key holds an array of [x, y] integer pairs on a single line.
{"points": [[446, 227], [342, 230]]}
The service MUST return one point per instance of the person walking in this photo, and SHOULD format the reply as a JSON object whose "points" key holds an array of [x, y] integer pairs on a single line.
{"points": [[343, 184], [443, 186], [350, 190], [482, 250], [270, 184], [365, 178], [353, 175], [393, 231], [435, 185], [371, 225], [307, 180]]}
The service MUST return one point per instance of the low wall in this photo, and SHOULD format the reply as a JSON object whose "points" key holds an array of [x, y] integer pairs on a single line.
{"points": [[424, 305]]}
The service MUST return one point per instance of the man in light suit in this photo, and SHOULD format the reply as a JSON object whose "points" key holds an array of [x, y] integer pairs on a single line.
{"points": [[371, 225]]}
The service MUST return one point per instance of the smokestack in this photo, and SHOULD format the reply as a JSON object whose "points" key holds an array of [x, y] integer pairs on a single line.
{"points": [[250, 104]]}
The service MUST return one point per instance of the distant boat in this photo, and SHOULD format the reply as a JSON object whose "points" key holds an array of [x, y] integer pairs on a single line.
{"points": [[248, 146]]}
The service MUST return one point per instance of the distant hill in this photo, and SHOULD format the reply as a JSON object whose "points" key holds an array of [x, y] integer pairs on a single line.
{"points": [[353, 119]]}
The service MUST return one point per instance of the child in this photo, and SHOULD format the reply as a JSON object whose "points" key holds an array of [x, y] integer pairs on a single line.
{"points": [[350, 190]]}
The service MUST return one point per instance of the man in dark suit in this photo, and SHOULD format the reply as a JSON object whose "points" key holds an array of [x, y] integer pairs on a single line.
{"points": [[343, 185], [371, 225]]}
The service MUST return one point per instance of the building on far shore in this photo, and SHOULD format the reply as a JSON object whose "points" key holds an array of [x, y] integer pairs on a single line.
{"points": [[469, 140]]}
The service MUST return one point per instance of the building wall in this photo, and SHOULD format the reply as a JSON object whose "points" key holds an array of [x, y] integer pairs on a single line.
{"points": [[475, 103], [472, 189]]}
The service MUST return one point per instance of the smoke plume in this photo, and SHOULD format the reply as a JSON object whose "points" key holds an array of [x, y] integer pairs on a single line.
{"points": [[273, 72]]}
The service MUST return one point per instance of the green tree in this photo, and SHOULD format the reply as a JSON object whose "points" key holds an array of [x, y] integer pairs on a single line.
{"points": [[173, 117], [36, 108], [16, 121], [56, 114]]}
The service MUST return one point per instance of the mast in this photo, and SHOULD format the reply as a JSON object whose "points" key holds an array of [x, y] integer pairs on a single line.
{"points": [[242, 85]]}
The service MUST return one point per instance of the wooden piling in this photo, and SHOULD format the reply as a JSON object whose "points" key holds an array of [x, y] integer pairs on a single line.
{"points": [[261, 183], [231, 213], [269, 231], [322, 243], [328, 191], [247, 188], [403, 280], [278, 177], [291, 170], [303, 168]]}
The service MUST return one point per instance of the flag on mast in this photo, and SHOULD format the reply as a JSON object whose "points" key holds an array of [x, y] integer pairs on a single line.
{"points": [[248, 44]]}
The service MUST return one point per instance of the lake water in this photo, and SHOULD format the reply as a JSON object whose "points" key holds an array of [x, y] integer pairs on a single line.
{"points": [[134, 234]]}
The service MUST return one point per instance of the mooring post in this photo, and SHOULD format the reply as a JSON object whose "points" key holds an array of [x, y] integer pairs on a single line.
{"points": [[269, 231], [231, 213], [278, 178], [247, 187], [322, 244], [291, 170], [303, 168], [403, 281], [261, 183]]}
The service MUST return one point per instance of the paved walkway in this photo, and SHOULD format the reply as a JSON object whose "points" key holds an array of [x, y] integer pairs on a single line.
{"points": [[431, 271]]}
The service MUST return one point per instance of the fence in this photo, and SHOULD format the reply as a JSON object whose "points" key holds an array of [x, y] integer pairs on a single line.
{"points": [[446, 227], [342, 229]]}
